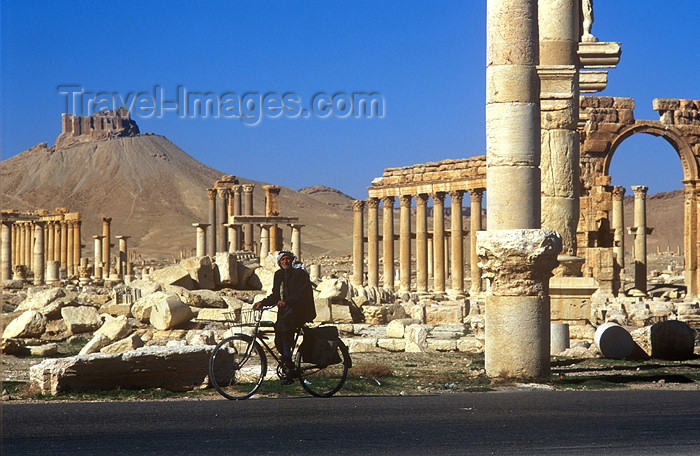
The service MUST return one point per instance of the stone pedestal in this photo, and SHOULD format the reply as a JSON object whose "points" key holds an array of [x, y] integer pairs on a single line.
{"points": [[518, 264]]}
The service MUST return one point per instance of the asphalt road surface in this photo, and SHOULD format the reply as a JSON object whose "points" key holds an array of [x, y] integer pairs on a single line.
{"points": [[520, 422]]}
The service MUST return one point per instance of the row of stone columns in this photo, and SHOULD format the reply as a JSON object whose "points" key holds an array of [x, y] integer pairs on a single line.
{"points": [[223, 203], [430, 247], [267, 241]]}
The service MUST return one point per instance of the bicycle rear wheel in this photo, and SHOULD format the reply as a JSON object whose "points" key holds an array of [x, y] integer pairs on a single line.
{"points": [[324, 381], [237, 367]]}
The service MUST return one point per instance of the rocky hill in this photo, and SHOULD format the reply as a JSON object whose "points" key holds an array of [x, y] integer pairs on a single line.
{"points": [[152, 190]]}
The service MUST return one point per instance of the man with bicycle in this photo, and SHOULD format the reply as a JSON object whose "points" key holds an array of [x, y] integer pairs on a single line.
{"points": [[292, 293]]}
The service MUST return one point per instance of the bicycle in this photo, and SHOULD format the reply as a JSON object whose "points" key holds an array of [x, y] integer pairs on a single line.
{"points": [[238, 364]]}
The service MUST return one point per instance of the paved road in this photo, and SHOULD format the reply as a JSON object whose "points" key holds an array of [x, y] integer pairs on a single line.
{"points": [[529, 423]]}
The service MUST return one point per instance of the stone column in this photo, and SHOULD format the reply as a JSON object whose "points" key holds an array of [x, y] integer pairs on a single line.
{"points": [[98, 256], [38, 263], [439, 242], [272, 209], [221, 220], [640, 231], [421, 243], [77, 245], [234, 236], [517, 256], [475, 225], [106, 246], [123, 256], [211, 238], [50, 240], [296, 239], [559, 93], [6, 244], [15, 241], [201, 244], [248, 208], [457, 241], [64, 245], [29, 244], [264, 240], [405, 243], [373, 242], [388, 241], [71, 269], [57, 242], [21, 240], [618, 225], [237, 189], [358, 250], [690, 231]]}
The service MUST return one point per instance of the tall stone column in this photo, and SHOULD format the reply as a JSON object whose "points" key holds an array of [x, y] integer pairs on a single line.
{"points": [[272, 209], [6, 244], [29, 244], [234, 235], [296, 239], [123, 259], [690, 231], [439, 242], [77, 245], [517, 256], [57, 241], [618, 225], [19, 243], [50, 239], [70, 260], [457, 241], [559, 92], [640, 231], [98, 256], [38, 264], [221, 220], [388, 241], [248, 209], [373, 242], [405, 242], [475, 225], [65, 225], [264, 240], [358, 251], [237, 190], [201, 245], [106, 245], [211, 233], [15, 241], [422, 243]]}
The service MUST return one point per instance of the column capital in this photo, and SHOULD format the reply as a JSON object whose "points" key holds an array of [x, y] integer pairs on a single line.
{"points": [[640, 190], [200, 225], [476, 193], [222, 192], [358, 205], [388, 200], [211, 193], [98, 236], [618, 192], [296, 226], [439, 197], [236, 188], [372, 203], [456, 194], [106, 219], [406, 200], [422, 199], [122, 237], [248, 188], [272, 189]]}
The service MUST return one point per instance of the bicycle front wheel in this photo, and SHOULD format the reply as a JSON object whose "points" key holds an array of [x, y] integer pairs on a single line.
{"points": [[237, 367], [324, 381]]}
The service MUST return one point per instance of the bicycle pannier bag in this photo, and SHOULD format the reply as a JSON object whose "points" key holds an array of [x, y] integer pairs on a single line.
{"points": [[320, 346]]}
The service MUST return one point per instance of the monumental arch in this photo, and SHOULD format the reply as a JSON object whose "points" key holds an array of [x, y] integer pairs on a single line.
{"points": [[604, 124]]}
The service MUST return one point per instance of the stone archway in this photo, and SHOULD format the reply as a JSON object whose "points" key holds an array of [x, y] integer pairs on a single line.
{"points": [[605, 123]]}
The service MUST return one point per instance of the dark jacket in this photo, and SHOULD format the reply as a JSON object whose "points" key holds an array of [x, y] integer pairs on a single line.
{"points": [[294, 288]]}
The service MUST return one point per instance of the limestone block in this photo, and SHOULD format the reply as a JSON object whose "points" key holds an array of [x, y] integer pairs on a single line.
{"points": [[200, 337], [341, 313], [198, 298], [364, 345], [44, 350], [639, 312], [81, 319], [141, 309], [418, 312], [669, 340], [245, 272], [169, 313], [94, 345], [227, 265], [39, 299], [361, 301], [56, 330], [173, 275], [397, 328], [115, 328], [375, 315], [396, 312], [29, 323], [442, 345], [117, 310], [262, 279], [469, 344], [13, 347], [442, 314], [332, 288], [392, 345], [131, 342], [213, 315], [323, 311], [201, 270], [416, 336], [613, 341], [175, 369], [581, 332]]}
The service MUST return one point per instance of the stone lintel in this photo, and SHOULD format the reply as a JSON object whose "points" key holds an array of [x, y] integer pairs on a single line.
{"points": [[518, 262], [599, 54], [592, 81], [273, 220]]}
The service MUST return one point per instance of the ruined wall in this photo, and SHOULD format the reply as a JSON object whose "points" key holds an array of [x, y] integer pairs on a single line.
{"points": [[98, 127]]}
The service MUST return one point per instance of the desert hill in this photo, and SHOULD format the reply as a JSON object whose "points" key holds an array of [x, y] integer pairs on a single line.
{"points": [[152, 190]]}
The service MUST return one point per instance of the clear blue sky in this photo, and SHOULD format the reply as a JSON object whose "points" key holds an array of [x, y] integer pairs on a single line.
{"points": [[426, 59]]}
